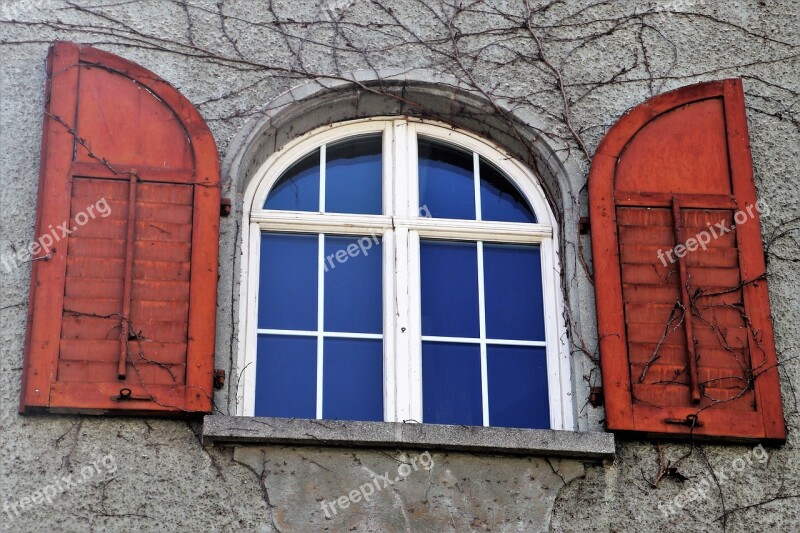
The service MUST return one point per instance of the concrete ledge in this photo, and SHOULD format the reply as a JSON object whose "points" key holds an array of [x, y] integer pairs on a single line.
{"points": [[240, 430]]}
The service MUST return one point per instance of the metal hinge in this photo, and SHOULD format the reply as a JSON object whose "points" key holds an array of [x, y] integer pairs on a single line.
{"points": [[596, 398], [583, 225], [219, 378], [224, 207]]}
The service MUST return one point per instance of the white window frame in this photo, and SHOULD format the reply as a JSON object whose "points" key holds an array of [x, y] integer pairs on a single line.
{"points": [[402, 228]]}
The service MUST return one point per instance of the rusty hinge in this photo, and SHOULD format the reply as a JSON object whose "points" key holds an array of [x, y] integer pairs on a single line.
{"points": [[125, 394], [691, 421], [224, 207], [596, 396], [583, 225], [219, 378]]}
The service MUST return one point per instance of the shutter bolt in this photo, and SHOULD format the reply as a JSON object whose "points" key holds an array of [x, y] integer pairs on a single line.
{"points": [[691, 421]]}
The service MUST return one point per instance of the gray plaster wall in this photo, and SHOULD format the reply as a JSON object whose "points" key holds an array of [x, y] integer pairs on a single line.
{"points": [[264, 72]]}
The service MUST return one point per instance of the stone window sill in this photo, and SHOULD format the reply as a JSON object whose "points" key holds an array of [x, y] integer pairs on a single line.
{"points": [[241, 430]]}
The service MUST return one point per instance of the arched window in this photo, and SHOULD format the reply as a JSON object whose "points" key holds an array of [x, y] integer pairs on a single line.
{"points": [[399, 270]]}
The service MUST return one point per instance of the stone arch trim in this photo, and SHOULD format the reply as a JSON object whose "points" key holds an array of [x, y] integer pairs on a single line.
{"points": [[419, 94]]}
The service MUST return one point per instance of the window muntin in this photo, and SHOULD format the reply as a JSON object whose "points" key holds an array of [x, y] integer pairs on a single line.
{"points": [[401, 228]]}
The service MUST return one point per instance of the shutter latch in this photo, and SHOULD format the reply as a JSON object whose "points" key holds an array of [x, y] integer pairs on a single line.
{"points": [[125, 394], [691, 421]]}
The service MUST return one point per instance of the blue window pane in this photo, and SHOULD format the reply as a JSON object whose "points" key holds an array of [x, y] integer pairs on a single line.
{"points": [[286, 376], [353, 173], [451, 384], [298, 188], [449, 273], [500, 199], [517, 379], [353, 295], [287, 292], [446, 181], [352, 379], [513, 289]]}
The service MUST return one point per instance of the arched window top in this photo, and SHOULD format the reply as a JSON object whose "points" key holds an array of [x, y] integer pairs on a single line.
{"points": [[345, 177], [355, 168]]}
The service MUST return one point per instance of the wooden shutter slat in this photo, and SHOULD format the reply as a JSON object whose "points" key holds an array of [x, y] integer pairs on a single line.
{"points": [[686, 344], [710, 201], [122, 170], [122, 318]]}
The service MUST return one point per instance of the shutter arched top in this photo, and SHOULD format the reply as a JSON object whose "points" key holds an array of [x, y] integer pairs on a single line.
{"points": [[123, 299], [684, 323]]}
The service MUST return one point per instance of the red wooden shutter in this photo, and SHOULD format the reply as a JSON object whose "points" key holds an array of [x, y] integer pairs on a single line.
{"points": [[123, 290], [687, 346]]}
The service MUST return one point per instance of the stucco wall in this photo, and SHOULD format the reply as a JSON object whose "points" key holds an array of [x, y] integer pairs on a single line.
{"points": [[477, 67]]}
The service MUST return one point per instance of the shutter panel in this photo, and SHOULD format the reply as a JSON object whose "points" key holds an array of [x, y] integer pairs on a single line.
{"points": [[122, 312], [687, 346]]}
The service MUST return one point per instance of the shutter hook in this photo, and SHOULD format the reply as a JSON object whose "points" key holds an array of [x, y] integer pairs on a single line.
{"points": [[126, 394]]}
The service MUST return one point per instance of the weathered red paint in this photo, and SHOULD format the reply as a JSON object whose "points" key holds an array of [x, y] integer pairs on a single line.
{"points": [[122, 315], [670, 169]]}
